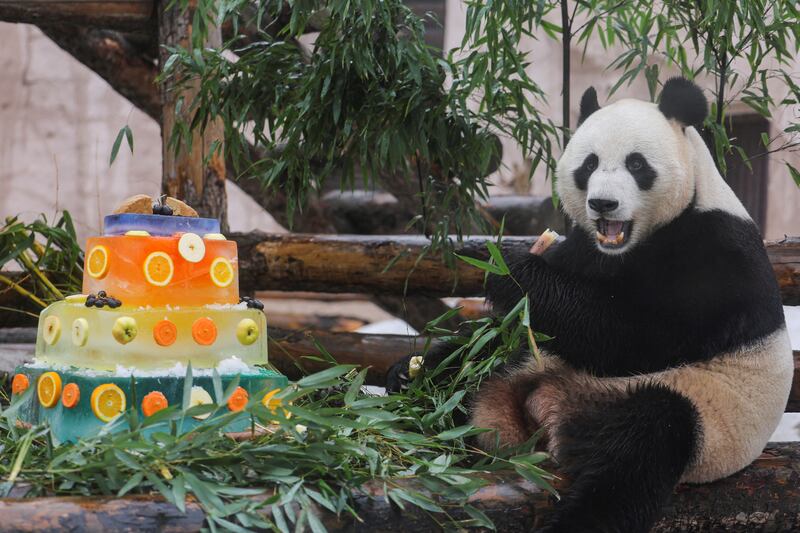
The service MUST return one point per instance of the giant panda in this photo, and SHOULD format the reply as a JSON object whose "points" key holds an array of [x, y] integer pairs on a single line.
{"points": [[670, 361]]}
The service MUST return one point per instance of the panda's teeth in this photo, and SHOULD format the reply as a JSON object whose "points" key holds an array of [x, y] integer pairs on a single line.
{"points": [[620, 238], [602, 238]]}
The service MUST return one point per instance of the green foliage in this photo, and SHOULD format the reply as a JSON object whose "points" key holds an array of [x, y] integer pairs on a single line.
{"points": [[48, 255], [325, 441], [125, 132], [368, 97]]}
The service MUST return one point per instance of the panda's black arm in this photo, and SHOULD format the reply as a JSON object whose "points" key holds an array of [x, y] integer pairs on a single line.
{"points": [[592, 328]]}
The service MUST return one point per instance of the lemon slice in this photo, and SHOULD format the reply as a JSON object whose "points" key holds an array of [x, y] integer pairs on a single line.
{"points": [[80, 331], [97, 262], [221, 272], [158, 269], [191, 247], [199, 396], [108, 401], [49, 389], [51, 329]]}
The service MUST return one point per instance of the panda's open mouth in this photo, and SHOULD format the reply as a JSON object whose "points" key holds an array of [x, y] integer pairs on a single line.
{"points": [[613, 233]]}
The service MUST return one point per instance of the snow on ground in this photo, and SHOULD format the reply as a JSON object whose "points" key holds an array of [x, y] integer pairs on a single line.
{"points": [[788, 429]]}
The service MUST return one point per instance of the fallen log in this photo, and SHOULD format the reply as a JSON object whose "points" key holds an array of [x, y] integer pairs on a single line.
{"points": [[109, 14], [763, 497], [395, 264]]}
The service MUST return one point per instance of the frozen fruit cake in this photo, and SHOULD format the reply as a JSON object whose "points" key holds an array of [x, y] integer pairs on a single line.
{"points": [[160, 292]]}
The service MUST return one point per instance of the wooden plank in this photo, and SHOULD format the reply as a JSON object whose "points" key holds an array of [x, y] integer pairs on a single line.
{"points": [[763, 497], [129, 15]]}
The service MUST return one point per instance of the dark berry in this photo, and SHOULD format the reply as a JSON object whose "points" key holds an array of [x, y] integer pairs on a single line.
{"points": [[100, 303], [156, 208], [90, 300], [255, 304], [113, 303], [102, 294], [166, 210]]}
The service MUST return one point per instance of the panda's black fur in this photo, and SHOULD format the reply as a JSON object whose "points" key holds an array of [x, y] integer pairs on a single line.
{"points": [[693, 303]]}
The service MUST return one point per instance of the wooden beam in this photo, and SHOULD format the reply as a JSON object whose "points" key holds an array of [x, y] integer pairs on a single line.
{"points": [[766, 495], [112, 57], [109, 14], [196, 176], [354, 263]]}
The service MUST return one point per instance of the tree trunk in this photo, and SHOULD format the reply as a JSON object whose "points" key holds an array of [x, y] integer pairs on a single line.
{"points": [[196, 175]]}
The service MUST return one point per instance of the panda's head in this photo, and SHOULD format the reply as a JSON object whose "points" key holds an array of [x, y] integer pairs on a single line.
{"points": [[628, 169]]}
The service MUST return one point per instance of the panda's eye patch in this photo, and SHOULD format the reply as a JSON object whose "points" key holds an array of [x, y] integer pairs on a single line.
{"points": [[641, 170], [583, 172]]}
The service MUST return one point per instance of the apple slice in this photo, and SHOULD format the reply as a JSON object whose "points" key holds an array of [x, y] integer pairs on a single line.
{"points": [[199, 396], [51, 330], [80, 331], [191, 247]]}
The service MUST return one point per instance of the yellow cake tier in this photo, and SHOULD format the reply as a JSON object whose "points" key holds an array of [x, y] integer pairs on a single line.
{"points": [[158, 271], [71, 334]]}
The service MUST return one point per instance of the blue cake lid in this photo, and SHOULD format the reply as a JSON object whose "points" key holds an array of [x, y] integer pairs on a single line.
{"points": [[158, 224]]}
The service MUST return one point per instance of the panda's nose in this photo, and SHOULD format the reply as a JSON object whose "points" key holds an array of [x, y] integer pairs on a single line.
{"points": [[601, 205]]}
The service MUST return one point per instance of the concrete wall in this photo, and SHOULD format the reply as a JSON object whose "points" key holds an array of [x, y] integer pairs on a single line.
{"points": [[58, 121]]}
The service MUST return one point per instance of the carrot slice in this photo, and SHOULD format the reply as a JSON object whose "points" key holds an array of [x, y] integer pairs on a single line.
{"points": [[153, 403], [165, 332], [204, 331], [238, 399], [71, 395], [20, 384]]}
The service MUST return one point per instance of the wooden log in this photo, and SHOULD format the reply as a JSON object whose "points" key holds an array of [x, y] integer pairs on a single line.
{"points": [[353, 263], [196, 176], [112, 57], [109, 14], [763, 497]]}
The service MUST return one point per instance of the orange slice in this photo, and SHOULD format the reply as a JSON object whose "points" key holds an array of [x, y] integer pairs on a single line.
{"points": [[49, 389], [204, 331], [165, 332], [97, 262], [221, 272], [71, 395], [20, 384], [158, 269], [153, 403], [238, 399], [108, 401]]}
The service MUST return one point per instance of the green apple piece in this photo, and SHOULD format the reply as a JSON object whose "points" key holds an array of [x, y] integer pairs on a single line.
{"points": [[191, 247], [247, 331], [124, 329], [51, 330], [80, 331], [76, 299], [199, 396]]}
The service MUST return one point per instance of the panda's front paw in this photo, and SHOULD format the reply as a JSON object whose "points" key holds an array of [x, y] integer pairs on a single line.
{"points": [[403, 372]]}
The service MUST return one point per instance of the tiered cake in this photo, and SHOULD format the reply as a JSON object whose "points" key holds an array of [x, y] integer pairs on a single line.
{"points": [[159, 291]]}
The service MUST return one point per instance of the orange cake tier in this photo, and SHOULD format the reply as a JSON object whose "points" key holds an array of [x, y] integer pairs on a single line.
{"points": [[182, 269]]}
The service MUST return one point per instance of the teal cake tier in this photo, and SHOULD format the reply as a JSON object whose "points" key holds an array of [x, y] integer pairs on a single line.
{"points": [[69, 424]]}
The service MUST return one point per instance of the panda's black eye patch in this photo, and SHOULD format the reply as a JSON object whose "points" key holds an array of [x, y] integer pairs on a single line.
{"points": [[583, 172], [641, 170]]}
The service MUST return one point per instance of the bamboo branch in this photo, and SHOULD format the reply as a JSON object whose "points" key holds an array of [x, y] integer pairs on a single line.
{"points": [[764, 496]]}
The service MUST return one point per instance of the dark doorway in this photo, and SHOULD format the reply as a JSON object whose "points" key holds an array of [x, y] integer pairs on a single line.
{"points": [[749, 184]]}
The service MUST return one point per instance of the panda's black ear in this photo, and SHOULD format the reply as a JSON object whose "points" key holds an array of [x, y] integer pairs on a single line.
{"points": [[684, 101], [588, 104]]}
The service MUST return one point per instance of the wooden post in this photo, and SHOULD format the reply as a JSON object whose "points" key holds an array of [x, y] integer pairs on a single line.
{"points": [[197, 176]]}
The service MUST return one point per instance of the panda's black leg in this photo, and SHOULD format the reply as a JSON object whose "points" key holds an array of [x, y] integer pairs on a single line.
{"points": [[624, 460]]}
